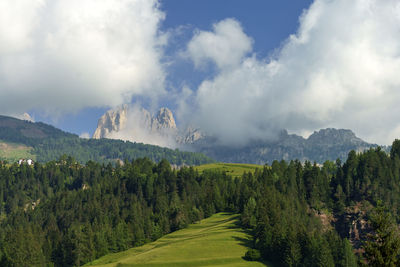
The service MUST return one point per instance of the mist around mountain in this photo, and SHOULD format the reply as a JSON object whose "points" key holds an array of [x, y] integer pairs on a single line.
{"points": [[127, 133], [47, 143], [138, 124], [125, 122], [322, 145]]}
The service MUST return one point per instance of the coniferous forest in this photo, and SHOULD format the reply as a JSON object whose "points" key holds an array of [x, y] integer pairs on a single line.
{"points": [[62, 213]]}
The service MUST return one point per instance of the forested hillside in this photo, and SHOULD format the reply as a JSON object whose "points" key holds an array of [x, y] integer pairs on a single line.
{"points": [[67, 214], [47, 143]]}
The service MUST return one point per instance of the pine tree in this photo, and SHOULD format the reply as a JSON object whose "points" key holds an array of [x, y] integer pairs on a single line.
{"points": [[349, 259], [383, 247]]}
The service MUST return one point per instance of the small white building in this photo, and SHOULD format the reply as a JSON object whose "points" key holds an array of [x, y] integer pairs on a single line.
{"points": [[27, 161]]}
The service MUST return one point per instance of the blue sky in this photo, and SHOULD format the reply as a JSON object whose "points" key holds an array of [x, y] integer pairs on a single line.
{"points": [[269, 23], [239, 70]]}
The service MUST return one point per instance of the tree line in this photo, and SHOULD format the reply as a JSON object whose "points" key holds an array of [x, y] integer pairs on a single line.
{"points": [[109, 150], [63, 213]]}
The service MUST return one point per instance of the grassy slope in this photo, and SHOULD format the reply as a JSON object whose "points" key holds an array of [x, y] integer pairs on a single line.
{"points": [[215, 241], [13, 152], [234, 169]]}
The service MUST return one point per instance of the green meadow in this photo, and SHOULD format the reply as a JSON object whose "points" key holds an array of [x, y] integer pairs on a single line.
{"points": [[13, 152], [215, 241], [233, 169]]}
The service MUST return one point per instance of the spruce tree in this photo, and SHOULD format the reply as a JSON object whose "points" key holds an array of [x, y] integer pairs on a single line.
{"points": [[383, 247]]}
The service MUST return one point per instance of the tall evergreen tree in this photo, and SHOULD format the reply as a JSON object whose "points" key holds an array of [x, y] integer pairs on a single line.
{"points": [[383, 247]]}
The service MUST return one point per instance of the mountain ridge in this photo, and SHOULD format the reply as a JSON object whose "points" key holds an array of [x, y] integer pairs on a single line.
{"points": [[289, 147], [321, 145], [48, 143]]}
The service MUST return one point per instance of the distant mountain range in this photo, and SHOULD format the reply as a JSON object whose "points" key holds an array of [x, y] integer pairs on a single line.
{"points": [[322, 145], [46, 143]]}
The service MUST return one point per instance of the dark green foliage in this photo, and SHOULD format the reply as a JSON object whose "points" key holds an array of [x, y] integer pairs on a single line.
{"points": [[347, 259], [67, 214], [288, 196], [26, 132], [108, 150], [383, 245], [252, 255], [395, 150], [275, 203]]}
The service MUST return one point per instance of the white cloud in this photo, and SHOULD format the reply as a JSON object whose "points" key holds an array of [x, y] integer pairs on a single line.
{"points": [[84, 135], [63, 55], [341, 69], [226, 45], [25, 116], [17, 20]]}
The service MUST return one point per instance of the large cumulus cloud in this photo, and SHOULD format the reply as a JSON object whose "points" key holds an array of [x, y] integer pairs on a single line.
{"points": [[341, 69], [226, 45], [59, 56]]}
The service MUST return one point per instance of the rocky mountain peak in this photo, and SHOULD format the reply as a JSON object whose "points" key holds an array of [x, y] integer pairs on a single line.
{"points": [[190, 136], [335, 136], [113, 120], [139, 125], [165, 119], [133, 121]]}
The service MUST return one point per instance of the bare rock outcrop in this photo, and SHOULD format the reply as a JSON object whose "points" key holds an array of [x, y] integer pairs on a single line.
{"points": [[115, 120], [140, 125], [164, 119], [111, 121], [190, 136]]}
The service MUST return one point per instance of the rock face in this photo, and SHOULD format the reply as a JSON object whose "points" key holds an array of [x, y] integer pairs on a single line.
{"points": [[331, 136], [162, 124], [332, 144], [164, 119], [111, 121], [136, 124], [190, 136], [161, 129]]}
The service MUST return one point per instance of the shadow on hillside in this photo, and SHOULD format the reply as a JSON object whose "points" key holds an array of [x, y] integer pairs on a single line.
{"points": [[238, 225], [246, 242]]}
